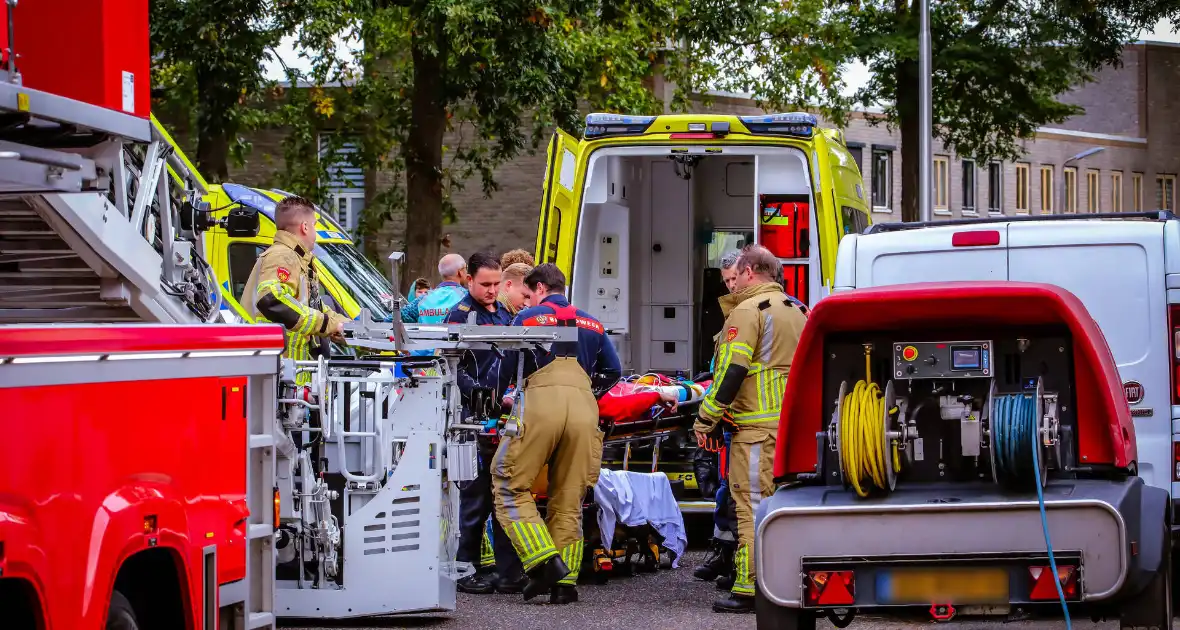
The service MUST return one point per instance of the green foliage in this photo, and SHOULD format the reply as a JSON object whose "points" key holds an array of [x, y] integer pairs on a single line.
{"points": [[480, 66], [207, 69], [999, 65]]}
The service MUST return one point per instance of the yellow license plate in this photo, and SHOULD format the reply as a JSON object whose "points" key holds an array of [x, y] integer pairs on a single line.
{"points": [[908, 586]]}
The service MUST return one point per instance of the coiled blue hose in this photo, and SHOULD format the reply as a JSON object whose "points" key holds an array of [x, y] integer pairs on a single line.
{"points": [[1015, 438]]}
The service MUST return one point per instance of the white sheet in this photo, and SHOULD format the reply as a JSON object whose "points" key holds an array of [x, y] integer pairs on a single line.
{"points": [[635, 499]]}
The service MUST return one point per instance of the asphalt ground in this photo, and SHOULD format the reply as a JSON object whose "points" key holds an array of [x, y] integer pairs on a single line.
{"points": [[666, 600]]}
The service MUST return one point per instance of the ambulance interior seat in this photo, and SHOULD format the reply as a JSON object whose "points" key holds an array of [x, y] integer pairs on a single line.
{"points": [[711, 318]]}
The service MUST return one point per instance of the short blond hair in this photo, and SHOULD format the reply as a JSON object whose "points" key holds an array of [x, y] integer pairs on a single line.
{"points": [[516, 256], [516, 272]]}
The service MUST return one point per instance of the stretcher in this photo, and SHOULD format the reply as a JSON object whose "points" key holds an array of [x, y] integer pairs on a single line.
{"points": [[630, 416]]}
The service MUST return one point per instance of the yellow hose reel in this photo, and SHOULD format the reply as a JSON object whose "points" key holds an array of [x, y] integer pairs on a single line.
{"points": [[867, 434]]}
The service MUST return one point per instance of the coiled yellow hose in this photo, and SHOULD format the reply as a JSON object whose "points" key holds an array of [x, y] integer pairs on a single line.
{"points": [[862, 435]]}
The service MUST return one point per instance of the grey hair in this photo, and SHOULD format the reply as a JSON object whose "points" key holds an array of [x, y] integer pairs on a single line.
{"points": [[730, 259], [759, 260], [450, 265]]}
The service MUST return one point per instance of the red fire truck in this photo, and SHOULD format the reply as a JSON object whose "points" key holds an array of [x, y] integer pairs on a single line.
{"points": [[124, 475], [137, 466]]}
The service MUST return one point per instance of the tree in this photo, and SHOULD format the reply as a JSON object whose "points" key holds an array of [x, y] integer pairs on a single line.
{"points": [[471, 68], [999, 66], [207, 67]]}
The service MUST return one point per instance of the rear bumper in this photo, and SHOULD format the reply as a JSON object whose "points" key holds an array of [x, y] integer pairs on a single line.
{"points": [[1103, 526]]}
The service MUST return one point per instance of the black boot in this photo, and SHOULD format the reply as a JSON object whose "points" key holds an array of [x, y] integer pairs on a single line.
{"points": [[718, 562], [475, 584], [563, 594], [733, 603], [511, 586], [725, 581], [544, 577]]}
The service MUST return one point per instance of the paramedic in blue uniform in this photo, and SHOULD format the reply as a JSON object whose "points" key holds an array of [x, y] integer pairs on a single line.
{"points": [[558, 426], [480, 368]]}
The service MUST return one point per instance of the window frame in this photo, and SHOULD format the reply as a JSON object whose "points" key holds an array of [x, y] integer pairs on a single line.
{"points": [[1048, 190], [887, 189], [346, 220], [1093, 191], [1070, 203], [968, 171], [1116, 191], [1160, 178], [1136, 191], [1024, 170], [996, 194], [942, 184]]}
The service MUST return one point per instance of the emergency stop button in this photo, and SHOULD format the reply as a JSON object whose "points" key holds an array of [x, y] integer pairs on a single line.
{"points": [[909, 353]]}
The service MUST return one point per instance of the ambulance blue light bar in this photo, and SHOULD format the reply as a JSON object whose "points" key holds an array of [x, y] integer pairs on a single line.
{"points": [[799, 124], [604, 125]]}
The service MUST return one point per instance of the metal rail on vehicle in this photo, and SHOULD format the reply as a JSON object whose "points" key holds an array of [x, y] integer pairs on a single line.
{"points": [[1158, 215]]}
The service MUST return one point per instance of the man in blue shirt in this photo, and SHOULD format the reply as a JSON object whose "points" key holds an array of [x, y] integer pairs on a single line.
{"points": [[479, 368], [557, 425], [432, 308]]}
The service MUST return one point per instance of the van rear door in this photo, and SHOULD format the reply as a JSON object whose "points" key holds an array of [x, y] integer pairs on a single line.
{"points": [[932, 255], [561, 200], [1117, 269]]}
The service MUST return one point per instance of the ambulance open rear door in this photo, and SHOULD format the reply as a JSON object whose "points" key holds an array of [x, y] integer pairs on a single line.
{"points": [[560, 202]]}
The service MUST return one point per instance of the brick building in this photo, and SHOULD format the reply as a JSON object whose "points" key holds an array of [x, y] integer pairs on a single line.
{"points": [[1120, 155]]}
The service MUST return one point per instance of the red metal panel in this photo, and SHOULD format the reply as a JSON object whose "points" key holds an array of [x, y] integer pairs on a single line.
{"points": [[106, 339], [1106, 434], [81, 49], [82, 466]]}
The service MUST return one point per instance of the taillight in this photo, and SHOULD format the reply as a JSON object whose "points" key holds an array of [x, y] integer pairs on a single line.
{"points": [[831, 588], [975, 238], [1175, 461], [1174, 328], [276, 498], [1043, 588]]}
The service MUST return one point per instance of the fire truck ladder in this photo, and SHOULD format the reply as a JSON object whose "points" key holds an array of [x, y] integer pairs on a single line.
{"points": [[88, 218]]}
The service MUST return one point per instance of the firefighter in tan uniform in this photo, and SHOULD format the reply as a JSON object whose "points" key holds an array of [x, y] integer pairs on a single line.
{"points": [[753, 357], [283, 288], [557, 415]]}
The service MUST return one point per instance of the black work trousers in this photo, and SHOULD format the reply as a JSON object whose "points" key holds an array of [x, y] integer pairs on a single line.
{"points": [[475, 506]]}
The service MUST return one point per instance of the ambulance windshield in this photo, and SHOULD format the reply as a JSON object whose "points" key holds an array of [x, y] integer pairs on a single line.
{"points": [[359, 277]]}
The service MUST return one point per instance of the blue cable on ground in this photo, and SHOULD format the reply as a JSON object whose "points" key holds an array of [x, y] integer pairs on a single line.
{"points": [[1015, 424]]}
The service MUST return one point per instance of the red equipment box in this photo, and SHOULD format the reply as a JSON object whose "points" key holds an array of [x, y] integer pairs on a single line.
{"points": [[94, 51], [784, 229]]}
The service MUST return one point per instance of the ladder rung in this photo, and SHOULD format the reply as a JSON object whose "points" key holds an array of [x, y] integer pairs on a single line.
{"points": [[264, 440], [260, 620], [260, 531]]}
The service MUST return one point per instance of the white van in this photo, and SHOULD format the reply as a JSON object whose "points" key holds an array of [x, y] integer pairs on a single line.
{"points": [[1124, 267]]}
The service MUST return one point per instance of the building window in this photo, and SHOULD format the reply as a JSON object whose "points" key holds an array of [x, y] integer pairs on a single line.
{"points": [[1046, 190], [942, 185], [969, 187], [1023, 188], [1165, 195], [1116, 191], [346, 182], [995, 188], [882, 181], [1137, 192], [1092, 192], [1071, 190]]}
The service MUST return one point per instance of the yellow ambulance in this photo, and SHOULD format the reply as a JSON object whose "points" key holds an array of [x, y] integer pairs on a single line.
{"points": [[349, 280], [639, 211]]}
